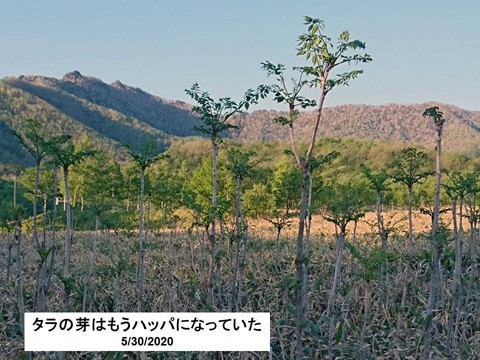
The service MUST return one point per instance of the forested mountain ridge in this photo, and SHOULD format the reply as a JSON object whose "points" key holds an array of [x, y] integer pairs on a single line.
{"points": [[64, 111], [115, 114], [392, 122], [170, 117]]}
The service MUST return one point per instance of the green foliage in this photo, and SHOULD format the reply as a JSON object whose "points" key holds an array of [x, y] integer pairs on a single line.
{"points": [[198, 194], [436, 114], [325, 55], [34, 140], [286, 185], [259, 201], [344, 202], [167, 191], [99, 191], [46, 188], [372, 261], [215, 114], [146, 156], [409, 167], [6, 200], [67, 154], [281, 94], [240, 162], [378, 181], [461, 183]]}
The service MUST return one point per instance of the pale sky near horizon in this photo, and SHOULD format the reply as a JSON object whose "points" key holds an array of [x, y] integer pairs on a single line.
{"points": [[422, 50]]}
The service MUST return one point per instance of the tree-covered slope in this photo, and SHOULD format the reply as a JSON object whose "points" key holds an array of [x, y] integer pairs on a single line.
{"points": [[63, 113], [172, 118], [115, 114], [392, 122]]}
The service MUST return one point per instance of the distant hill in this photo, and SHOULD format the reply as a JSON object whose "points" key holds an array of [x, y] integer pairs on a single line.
{"points": [[115, 114], [169, 117], [111, 115], [392, 122]]}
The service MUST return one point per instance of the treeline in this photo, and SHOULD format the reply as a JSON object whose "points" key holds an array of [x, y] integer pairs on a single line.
{"points": [[181, 182]]}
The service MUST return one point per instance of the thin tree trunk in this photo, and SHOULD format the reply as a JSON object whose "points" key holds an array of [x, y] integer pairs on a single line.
{"points": [[35, 204], [300, 256], [300, 270], [238, 230], [333, 291], [44, 222], [88, 277], [406, 279], [381, 231], [9, 257], [212, 236], [15, 178], [219, 265], [410, 219], [68, 239], [18, 241], [40, 297], [473, 254], [39, 292], [309, 217], [435, 279], [51, 269], [277, 243], [141, 249], [457, 278], [244, 257]]}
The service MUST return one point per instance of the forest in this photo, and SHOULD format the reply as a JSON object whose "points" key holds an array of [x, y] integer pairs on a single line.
{"points": [[359, 249]]}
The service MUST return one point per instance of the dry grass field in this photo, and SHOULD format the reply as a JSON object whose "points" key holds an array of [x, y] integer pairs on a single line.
{"points": [[370, 324]]}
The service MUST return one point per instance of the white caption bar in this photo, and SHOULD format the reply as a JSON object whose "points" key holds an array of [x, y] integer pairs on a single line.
{"points": [[147, 331]]}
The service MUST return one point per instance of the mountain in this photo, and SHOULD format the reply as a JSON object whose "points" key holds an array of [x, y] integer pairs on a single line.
{"points": [[116, 114], [392, 122], [111, 115]]}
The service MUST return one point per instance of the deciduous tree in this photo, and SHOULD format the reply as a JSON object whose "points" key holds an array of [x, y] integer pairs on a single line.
{"points": [[215, 115], [325, 57], [148, 155], [65, 156], [438, 119]]}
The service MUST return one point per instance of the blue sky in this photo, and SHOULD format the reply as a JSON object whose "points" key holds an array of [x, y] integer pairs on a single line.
{"points": [[422, 50]]}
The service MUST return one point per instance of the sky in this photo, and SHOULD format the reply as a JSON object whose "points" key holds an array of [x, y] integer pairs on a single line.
{"points": [[422, 50]]}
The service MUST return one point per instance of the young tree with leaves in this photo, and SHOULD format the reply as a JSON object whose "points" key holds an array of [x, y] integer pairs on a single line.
{"points": [[438, 119], [36, 143], [214, 116], [326, 57], [16, 170], [409, 170], [378, 182], [344, 203], [458, 188], [240, 164], [148, 155], [316, 165], [99, 176], [65, 156]]}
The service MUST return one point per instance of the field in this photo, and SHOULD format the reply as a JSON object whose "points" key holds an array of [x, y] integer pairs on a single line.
{"points": [[370, 324], [359, 247]]}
